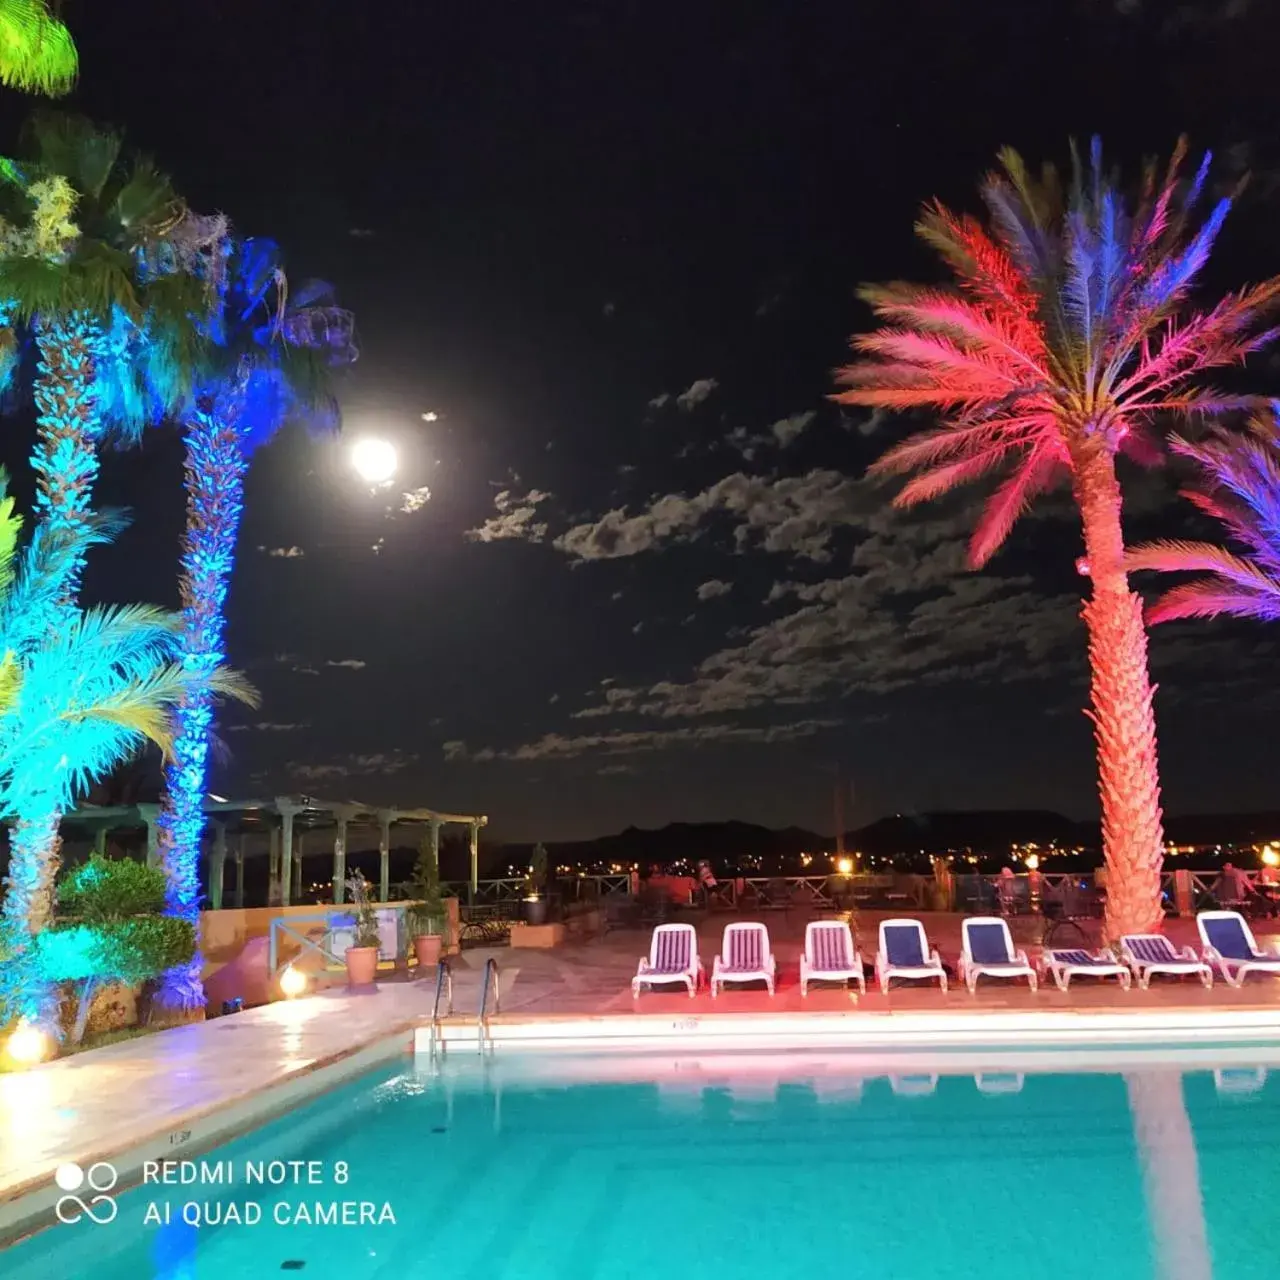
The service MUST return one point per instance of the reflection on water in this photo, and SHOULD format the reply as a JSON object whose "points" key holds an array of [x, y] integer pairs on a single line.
{"points": [[1170, 1175]]}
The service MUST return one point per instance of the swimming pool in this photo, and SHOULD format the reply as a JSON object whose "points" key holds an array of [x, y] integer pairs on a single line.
{"points": [[743, 1167]]}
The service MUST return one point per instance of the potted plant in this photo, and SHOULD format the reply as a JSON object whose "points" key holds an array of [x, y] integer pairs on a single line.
{"points": [[427, 919], [535, 883], [362, 955]]}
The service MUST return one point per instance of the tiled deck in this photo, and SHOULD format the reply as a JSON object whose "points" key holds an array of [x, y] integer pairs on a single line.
{"points": [[145, 1094]]}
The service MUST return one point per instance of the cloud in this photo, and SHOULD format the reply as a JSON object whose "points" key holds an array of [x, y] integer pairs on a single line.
{"points": [[608, 309], [415, 499], [615, 770], [795, 515], [716, 587], [693, 395], [351, 664], [638, 628], [382, 762], [284, 553], [555, 746], [516, 518], [267, 726], [786, 430], [661, 400]]}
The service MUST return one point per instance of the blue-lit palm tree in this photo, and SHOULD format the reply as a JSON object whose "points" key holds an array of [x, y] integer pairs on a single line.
{"points": [[270, 361], [1238, 484], [77, 223], [75, 700]]}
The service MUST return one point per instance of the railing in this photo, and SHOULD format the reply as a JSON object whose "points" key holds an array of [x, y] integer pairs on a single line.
{"points": [[490, 967], [444, 981]]}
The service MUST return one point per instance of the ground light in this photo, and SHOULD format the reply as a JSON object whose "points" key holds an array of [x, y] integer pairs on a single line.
{"points": [[293, 982], [28, 1045], [374, 460]]}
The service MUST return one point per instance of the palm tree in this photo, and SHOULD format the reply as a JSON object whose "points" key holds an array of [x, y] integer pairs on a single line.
{"points": [[37, 54], [1067, 329], [270, 360], [77, 226], [75, 700], [1239, 485]]}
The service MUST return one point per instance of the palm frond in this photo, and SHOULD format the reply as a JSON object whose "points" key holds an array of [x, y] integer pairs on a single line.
{"points": [[37, 54]]}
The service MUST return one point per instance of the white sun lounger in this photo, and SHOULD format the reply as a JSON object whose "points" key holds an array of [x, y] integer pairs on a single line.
{"points": [[904, 953], [988, 948], [1229, 945], [830, 955], [1062, 966], [745, 956], [673, 957], [1151, 953]]}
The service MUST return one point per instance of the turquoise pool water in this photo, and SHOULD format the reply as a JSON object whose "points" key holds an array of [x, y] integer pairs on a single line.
{"points": [[745, 1172]]}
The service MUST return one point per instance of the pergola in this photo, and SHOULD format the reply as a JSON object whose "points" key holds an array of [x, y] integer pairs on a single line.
{"points": [[284, 820]]}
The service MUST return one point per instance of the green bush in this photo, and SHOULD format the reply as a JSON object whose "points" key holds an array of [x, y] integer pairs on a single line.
{"points": [[111, 889]]}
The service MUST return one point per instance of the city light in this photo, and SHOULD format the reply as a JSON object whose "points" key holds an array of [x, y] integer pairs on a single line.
{"points": [[293, 982], [1032, 861], [844, 866], [1271, 856]]}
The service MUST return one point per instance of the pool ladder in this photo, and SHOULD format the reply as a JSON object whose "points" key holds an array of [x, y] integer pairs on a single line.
{"points": [[444, 982], [490, 967]]}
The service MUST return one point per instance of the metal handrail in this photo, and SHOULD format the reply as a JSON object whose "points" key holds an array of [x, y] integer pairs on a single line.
{"points": [[444, 978], [490, 966]]}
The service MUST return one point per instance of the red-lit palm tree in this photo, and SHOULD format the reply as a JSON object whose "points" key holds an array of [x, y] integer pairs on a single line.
{"points": [[1067, 329], [1239, 485]]}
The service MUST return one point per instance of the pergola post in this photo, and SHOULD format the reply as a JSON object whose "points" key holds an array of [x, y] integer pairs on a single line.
{"points": [[340, 861], [474, 828], [385, 819], [273, 867], [100, 840], [217, 865], [240, 872], [433, 841], [297, 863], [286, 809], [149, 813]]}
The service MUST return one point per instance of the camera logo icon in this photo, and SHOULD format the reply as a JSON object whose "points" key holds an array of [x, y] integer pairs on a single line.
{"points": [[99, 1178]]}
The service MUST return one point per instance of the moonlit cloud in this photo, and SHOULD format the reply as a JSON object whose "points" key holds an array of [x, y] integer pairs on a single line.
{"points": [[660, 401], [284, 553], [555, 746], [382, 762], [716, 587], [693, 395], [516, 518], [415, 499], [786, 430]]}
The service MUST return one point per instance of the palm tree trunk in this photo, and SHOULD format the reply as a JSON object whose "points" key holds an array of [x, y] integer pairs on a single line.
{"points": [[1170, 1175], [1121, 696], [65, 460], [215, 468]]}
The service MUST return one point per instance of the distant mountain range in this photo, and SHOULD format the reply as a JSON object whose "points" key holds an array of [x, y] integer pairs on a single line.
{"points": [[981, 830]]}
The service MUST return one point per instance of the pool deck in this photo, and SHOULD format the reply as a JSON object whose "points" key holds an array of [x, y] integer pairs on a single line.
{"points": [[189, 1087]]}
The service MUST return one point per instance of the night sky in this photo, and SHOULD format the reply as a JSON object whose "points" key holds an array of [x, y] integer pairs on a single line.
{"points": [[602, 259]]}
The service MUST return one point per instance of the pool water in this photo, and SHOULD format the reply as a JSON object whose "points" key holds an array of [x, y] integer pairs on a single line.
{"points": [[495, 1175]]}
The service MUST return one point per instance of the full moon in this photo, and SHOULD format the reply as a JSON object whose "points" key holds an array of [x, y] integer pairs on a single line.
{"points": [[374, 460]]}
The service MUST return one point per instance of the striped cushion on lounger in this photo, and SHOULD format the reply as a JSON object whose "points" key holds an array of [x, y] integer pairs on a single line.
{"points": [[1080, 958], [831, 950], [1153, 950], [673, 952], [745, 950]]}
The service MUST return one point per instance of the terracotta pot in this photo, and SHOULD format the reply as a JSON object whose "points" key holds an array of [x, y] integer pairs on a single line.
{"points": [[426, 946], [362, 966], [535, 910]]}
